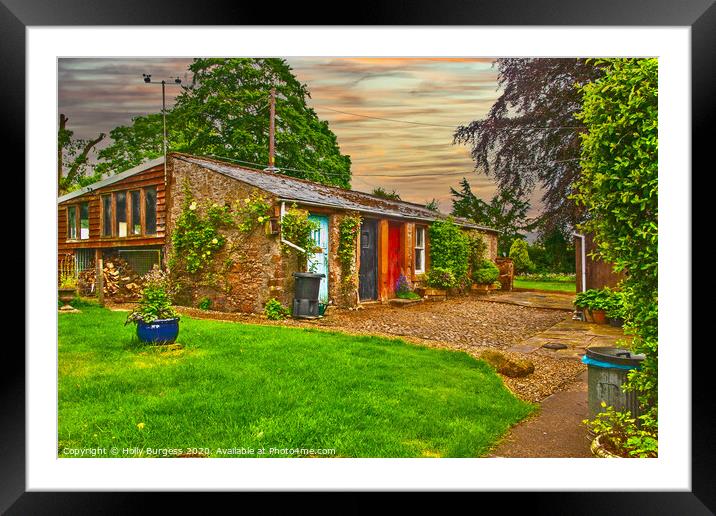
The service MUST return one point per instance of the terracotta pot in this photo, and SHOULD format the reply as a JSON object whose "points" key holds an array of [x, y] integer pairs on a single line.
{"points": [[600, 316]]}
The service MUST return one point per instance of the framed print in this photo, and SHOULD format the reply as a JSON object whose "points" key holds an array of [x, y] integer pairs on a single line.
{"points": [[423, 245]]}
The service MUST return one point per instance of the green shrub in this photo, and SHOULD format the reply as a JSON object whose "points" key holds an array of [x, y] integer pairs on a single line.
{"points": [[624, 436], [520, 255], [440, 277], [298, 229], [449, 249], [618, 187], [205, 303], [275, 311], [486, 273], [594, 299]]}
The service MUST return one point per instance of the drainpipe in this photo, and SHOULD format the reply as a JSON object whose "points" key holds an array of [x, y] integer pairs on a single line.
{"points": [[584, 263], [290, 244]]}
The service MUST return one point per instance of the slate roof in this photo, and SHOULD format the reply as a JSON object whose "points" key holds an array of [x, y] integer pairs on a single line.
{"points": [[302, 191], [111, 179]]}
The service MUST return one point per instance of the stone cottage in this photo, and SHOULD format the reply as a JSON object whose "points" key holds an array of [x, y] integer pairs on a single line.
{"points": [[243, 267]]}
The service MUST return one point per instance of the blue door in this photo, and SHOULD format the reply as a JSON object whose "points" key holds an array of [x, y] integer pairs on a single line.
{"points": [[318, 262]]}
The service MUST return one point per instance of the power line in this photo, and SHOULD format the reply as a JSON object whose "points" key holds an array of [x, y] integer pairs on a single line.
{"points": [[449, 126]]}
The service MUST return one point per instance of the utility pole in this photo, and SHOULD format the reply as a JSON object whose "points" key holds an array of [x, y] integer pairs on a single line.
{"points": [[272, 129], [177, 81]]}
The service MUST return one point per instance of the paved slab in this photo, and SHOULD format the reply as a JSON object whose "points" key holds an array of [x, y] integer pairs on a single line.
{"points": [[548, 300], [575, 336]]}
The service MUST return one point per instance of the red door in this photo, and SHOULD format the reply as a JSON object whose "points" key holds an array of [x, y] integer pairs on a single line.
{"points": [[393, 257]]}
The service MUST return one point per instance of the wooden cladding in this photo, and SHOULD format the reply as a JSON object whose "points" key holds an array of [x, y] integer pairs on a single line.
{"points": [[96, 219]]}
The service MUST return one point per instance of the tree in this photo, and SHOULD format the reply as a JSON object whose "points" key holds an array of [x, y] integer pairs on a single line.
{"points": [[224, 113], [73, 158], [433, 205], [553, 251], [618, 188], [506, 212], [530, 137], [381, 192], [520, 256]]}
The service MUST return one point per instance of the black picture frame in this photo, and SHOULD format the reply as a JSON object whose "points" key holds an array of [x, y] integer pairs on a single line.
{"points": [[700, 15]]}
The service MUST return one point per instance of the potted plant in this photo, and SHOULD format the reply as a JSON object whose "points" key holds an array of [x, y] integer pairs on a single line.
{"points": [[439, 280], [594, 304], [157, 321], [485, 275], [404, 290], [619, 435], [67, 288]]}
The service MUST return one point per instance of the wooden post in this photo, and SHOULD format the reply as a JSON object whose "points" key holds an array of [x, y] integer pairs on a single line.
{"points": [[99, 278], [272, 128]]}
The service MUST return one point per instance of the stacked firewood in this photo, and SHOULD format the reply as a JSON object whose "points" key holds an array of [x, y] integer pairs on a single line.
{"points": [[121, 283]]}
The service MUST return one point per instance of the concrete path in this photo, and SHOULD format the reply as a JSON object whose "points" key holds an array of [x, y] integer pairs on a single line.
{"points": [[557, 429], [550, 300]]}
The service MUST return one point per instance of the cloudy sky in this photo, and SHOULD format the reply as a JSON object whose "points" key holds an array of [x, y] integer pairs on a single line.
{"points": [[415, 156]]}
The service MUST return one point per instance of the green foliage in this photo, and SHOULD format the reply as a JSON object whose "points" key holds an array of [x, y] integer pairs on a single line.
{"points": [[625, 436], [619, 189], [506, 212], [485, 273], [253, 210], [407, 295], [449, 249], [275, 311], [223, 113], [66, 277], [156, 302], [348, 230], [553, 252], [477, 246], [520, 255], [297, 228], [440, 277], [204, 303], [196, 237], [73, 159], [594, 299], [616, 308], [381, 192]]}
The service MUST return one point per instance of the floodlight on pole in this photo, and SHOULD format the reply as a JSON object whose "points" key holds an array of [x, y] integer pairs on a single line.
{"points": [[177, 82]]}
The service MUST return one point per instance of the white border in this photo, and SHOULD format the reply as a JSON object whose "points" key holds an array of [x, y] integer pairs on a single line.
{"points": [[670, 471]]}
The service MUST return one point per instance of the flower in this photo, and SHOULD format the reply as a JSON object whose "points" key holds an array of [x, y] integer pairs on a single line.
{"points": [[140, 425], [215, 241], [247, 200], [260, 219], [192, 206]]}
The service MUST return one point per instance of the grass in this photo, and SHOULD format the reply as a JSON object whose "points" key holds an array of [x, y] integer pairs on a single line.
{"points": [[560, 286], [251, 386]]}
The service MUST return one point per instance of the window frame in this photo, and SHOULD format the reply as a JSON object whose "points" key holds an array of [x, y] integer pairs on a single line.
{"points": [[416, 247], [76, 209]]}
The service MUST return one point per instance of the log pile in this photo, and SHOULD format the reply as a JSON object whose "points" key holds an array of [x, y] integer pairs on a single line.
{"points": [[121, 283]]}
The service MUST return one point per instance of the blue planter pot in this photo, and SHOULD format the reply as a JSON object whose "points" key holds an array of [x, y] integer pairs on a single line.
{"points": [[161, 331]]}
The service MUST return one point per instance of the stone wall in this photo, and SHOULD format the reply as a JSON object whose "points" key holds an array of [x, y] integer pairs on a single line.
{"points": [[249, 269]]}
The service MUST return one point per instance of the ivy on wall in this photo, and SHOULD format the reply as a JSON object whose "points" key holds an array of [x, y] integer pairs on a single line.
{"points": [[348, 230], [450, 249], [298, 229]]}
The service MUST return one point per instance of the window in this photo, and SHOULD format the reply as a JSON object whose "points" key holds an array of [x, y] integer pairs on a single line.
{"points": [[135, 201], [127, 213], [120, 200], [71, 222], [150, 210], [84, 221], [419, 250], [106, 215]]}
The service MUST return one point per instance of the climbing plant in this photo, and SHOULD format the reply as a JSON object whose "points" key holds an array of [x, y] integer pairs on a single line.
{"points": [[253, 210], [348, 229], [196, 236], [297, 228]]}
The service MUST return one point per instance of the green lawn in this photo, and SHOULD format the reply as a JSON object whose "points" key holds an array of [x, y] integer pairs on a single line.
{"points": [[250, 386], [562, 286]]}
